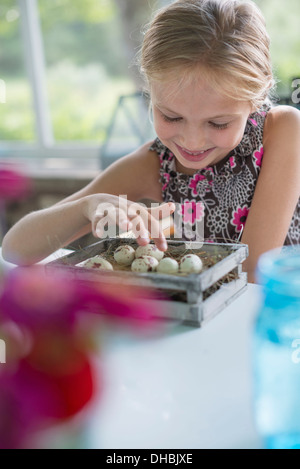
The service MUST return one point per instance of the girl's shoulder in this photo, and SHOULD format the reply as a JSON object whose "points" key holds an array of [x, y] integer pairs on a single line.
{"points": [[281, 122], [284, 111], [281, 139]]}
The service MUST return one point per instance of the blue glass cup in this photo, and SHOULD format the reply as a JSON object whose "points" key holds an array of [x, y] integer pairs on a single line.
{"points": [[276, 350]]}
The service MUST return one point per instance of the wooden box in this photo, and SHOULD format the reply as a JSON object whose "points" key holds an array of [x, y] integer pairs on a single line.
{"points": [[191, 299]]}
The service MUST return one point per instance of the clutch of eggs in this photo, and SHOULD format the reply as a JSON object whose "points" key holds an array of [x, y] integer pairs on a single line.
{"points": [[148, 259]]}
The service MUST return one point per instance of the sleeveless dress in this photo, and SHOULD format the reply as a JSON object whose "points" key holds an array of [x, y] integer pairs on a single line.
{"points": [[216, 200]]}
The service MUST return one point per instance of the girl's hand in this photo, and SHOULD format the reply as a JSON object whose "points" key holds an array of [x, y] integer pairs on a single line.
{"points": [[106, 210]]}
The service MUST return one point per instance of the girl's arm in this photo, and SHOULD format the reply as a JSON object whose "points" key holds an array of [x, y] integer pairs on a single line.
{"points": [[40, 233], [278, 186]]}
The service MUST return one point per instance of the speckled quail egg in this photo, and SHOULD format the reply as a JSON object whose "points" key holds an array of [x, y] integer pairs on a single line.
{"points": [[190, 264], [149, 250], [168, 266], [144, 264], [98, 263], [124, 255]]}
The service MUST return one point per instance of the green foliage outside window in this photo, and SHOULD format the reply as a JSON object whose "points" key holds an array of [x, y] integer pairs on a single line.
{"points": [[88, 46]]}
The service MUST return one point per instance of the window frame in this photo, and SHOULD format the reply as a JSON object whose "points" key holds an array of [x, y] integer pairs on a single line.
{"points": [[45, 146]]}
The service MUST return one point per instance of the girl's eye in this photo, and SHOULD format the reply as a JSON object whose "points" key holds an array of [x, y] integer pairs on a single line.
{"points": [[218, 126], [171, 119]]}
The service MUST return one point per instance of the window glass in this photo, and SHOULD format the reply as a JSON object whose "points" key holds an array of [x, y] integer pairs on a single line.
{"points": [[89, 50], [88, 53], [16, 108], [282, 20]]}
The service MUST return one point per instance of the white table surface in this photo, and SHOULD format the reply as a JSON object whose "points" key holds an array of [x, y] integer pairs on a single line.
{"points": [[185, 388]]}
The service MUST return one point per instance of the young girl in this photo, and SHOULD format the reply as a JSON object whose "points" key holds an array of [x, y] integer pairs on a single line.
{"points": [[222, 150]]}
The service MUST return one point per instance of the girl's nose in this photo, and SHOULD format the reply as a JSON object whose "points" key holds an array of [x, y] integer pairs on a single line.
{"points": [[194, 138]]}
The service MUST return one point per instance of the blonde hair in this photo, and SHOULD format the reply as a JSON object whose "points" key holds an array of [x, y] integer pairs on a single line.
{"points": [[226, 38]]}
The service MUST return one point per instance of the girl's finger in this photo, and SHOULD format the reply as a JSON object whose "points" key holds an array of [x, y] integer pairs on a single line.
{"points": [[123, 220], [105, 218], [149, 226], [163, 210], [158, 213], [140, 230], [111, 220]]}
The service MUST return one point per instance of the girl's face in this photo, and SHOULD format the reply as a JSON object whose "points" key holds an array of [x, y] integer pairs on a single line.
{"points": [[199, 125]]}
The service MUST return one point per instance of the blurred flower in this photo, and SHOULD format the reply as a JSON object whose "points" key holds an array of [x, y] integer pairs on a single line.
{"points": [[13, 184], [47, 319], [38, 298], [35, 300], [34, 397]]}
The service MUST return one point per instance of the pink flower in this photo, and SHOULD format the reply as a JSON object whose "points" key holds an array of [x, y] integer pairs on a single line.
{"points": [[258, 154], [253, 122], [13, 184], [194, 183], [50, 317], [239, 218], [232, 162], [34, 299], [53, 383], [39, 299], [192, 212]]}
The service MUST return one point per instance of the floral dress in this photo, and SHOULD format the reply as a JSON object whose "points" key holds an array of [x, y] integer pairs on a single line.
{"points": [[216, 200]]}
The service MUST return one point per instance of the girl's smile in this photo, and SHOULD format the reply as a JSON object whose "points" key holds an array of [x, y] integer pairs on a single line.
{"points": [[194, 156], [197, 124]]}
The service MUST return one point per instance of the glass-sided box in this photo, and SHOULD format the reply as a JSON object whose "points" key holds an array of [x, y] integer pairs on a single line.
{"points": [[192, 299]]}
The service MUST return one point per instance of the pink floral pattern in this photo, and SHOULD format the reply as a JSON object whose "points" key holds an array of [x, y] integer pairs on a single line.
{"points": [[258, 154], [225, 189], [254, 122], [232, 162], [167, 180], [191, 212], [194, 183]]}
